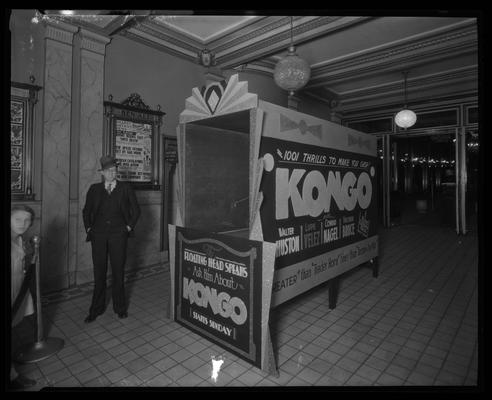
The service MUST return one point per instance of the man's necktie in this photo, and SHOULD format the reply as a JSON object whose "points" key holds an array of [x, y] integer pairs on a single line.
{"points": [[108, 188]]}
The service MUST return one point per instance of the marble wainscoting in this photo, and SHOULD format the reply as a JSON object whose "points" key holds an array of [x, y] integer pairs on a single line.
{"points": [[144, 248]]}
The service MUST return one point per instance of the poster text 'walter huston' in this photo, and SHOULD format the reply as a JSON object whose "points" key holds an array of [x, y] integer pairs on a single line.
{"points": [[319, 206]]}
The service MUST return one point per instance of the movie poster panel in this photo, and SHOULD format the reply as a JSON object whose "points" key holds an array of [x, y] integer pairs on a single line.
{"points": [[17, 146], [218, 290], [133, 150], [320, 209], [16, 112]]}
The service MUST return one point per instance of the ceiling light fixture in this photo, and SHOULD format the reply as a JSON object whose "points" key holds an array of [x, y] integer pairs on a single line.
{"points": [[291, 72], [405, 118]]}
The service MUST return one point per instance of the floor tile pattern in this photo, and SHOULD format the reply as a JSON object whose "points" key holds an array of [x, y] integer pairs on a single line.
{"points": [[416, 324]]}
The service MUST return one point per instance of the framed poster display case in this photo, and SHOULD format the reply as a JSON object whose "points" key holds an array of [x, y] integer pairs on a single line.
{"points": [[23, 98], [132, 136]]}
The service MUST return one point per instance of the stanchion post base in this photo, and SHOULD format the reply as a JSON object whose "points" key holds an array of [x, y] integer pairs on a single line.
{"points": [[37, 351]]}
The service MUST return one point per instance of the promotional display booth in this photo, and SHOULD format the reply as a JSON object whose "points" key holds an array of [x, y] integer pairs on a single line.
{"points": [[271, 203]]}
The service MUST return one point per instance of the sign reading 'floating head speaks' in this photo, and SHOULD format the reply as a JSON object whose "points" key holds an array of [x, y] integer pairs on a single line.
{"points": [[219, 291]]}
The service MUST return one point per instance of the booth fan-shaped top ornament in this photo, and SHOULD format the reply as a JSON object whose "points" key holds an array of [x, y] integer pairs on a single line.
{"points": [[218, 98]]}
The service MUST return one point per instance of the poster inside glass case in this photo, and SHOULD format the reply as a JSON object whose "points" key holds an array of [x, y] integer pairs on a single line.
{"points": [[133, 150]]}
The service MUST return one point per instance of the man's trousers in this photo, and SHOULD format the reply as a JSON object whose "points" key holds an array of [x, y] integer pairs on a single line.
{"points": [[114, 245]]}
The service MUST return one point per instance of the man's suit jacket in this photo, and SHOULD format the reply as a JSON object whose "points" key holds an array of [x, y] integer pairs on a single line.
{"points": [[125, 196]]}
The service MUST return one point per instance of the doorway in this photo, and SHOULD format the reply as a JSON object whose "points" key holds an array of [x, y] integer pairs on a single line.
{"points": [[428, 175], [429, 179], [423, 180]]}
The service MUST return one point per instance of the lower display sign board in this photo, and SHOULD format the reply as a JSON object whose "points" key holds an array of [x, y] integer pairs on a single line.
{"points": [[221, 288]]}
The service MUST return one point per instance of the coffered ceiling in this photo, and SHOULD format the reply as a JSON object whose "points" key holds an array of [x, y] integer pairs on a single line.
{"points": [[357, 62]]}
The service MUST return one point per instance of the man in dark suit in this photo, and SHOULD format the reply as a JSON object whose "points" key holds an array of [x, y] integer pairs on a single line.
{"points": [[110, 214]]}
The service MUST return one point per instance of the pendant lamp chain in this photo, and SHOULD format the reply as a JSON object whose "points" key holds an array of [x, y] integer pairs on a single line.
{"points": [[291, 31], [405, 74]]}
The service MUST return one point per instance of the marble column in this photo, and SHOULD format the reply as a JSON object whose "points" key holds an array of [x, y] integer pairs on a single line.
{"points": [[91, 122], [56, 154]]}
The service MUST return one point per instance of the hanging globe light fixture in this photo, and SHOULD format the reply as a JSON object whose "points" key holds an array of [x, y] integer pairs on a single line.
{"points": [[291, 72], [405, 118]]}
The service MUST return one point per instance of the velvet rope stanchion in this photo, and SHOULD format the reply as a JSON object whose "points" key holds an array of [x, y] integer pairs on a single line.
{"points": [[43, 347]]}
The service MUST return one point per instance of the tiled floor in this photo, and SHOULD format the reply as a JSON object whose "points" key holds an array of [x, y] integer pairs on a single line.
{"points": [[414, 325]]}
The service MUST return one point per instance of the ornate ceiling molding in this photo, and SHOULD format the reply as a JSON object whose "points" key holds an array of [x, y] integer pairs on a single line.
{"points": [[170, 48], [419, 49], [193, 27], [263, 26], [387, 109], [259, 69], [265, 67], [265, 44], [178, 43], [116, 23], [89, 21], [415, 86], [59, 31], [395, 102], [164, 34], [383, 111], [100, 24], [257, 39], [425, 39], [323, 99], [93, 41], [227, 32]]}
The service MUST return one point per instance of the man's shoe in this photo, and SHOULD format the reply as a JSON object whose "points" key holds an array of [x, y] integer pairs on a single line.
{"points": [[22, 382], [90, 318], [123, 315]]}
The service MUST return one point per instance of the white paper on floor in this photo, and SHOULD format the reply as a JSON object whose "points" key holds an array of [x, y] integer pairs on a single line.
{"points": [[216, 364]]}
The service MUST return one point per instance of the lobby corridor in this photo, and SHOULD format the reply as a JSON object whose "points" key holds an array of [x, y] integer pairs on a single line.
{"points": [[414, 325]]}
